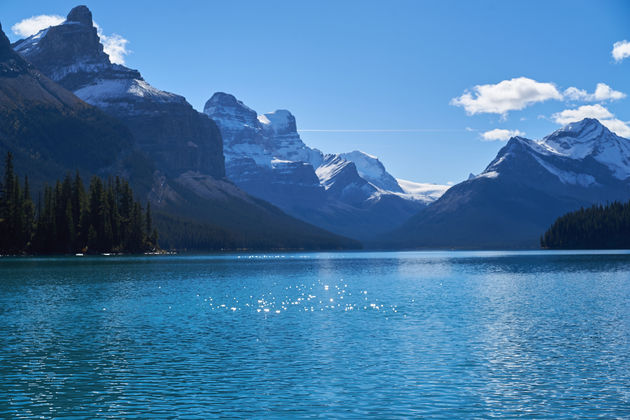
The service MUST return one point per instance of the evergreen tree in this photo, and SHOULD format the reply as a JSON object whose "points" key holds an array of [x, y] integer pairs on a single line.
{"points": [[68, 219], [598, 227], [28, 216], [136, 238]]}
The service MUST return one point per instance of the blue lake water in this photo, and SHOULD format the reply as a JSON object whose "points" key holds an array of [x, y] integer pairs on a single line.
{"points": [[435, 334]]}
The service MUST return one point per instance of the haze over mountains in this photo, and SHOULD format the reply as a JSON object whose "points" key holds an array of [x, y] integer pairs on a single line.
{"points": [[250, 180]]}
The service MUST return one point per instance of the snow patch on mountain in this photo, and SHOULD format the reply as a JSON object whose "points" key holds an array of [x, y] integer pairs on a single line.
{"points": [[102, 91], [567, 148], [331, 169], [567, 177], [423, 192], [372, 170], [29, 44], [230, 113], [280, 121], [272, 141], [590, 138], [75, 48], [488, 174], [261, 137]]}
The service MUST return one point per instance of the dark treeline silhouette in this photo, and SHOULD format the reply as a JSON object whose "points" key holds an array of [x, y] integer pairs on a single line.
{"points": [[69, 219], [597, 227]]}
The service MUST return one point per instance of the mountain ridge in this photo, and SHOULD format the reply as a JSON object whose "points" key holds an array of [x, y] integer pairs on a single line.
{"points": [[173, 156], [351, 193], [166, 127], [522, 191]]}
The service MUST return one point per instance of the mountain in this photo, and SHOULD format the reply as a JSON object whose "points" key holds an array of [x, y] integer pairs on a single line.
{"points": [[523, 190], [49, 130], [172, 154], [350, 193], [165, 127]]}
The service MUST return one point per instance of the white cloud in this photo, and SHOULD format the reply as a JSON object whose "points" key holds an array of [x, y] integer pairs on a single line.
{"points": [[603, 92], [115, 46], [618, 127], [621, 50], [599, 112], [586, 111], [505, 96], [500, 134], [34, 24]]}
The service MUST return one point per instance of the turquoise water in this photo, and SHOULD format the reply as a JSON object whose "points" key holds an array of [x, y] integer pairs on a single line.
{"points": [[443, 334]]}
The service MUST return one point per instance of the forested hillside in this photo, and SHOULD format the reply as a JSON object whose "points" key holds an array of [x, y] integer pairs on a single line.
{"points": [[597, 227], [68, 219]]}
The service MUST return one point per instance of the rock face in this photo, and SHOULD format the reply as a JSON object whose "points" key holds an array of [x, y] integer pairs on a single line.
{"points": [[172, 154], [49, 130], [350, 193], [524, 189], [165, 127], [372, 170]]}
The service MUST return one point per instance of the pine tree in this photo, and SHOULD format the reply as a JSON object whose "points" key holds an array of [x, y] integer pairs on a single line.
{"points": [[136, 238], [28, 216], [67, 219]]}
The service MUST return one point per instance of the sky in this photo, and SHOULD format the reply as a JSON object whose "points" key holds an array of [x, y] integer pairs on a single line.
{"points": [[433, 88]]}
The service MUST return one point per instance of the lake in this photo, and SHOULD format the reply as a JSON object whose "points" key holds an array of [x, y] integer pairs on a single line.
{"points": [[433, 334]]}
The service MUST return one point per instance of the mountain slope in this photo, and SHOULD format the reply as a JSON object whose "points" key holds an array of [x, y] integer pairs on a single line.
{"points": [[351, 193], [171, 153], [523, 190], [165, 127], [49, 130]]}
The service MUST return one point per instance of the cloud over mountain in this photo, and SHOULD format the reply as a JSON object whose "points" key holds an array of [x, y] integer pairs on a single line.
{"points": [[500, 134], [113, 45], [30, 26]]}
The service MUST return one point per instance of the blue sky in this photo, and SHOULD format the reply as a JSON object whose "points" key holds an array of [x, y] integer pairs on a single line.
{"points": [[383, 77]]}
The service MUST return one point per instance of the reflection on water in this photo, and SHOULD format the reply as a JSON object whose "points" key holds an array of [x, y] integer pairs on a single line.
{"points": [[332, 334]]}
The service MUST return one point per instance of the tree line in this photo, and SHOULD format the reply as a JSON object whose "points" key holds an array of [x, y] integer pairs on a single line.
{"points": [[597, 227], [66, 218]]}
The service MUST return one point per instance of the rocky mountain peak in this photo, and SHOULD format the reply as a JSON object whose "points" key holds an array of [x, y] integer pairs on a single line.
{"points": [[10, 63], [224, 106], [58, 51], [371, 169], [589, 137], [280, 121], [586, 130], [5, 45], [72, 55], [80, 14], [579, 139]]}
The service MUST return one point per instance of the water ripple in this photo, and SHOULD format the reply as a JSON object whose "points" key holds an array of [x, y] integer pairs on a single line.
{"points": [[356, 335]]}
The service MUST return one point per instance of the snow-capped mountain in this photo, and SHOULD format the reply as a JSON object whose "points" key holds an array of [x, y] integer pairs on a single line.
{"points": [[588, 138], [524, 189], [164, 125], [350, 193], [48, 130], [372, 170], [172, 154]]}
